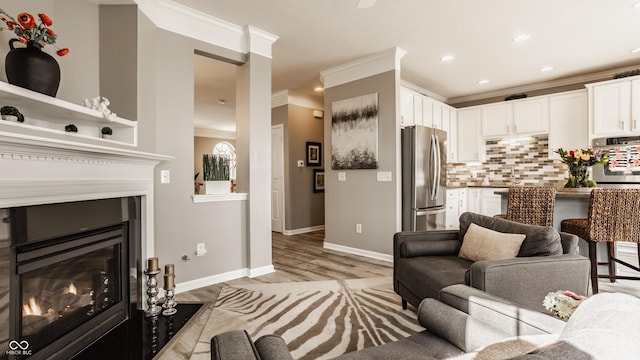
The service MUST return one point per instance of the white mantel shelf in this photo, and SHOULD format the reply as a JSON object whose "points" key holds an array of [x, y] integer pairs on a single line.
{"points": [[45, 114], [38, 142]]}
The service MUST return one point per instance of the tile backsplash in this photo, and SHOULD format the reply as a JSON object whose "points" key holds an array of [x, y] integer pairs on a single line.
{"points": [[522, 161]]}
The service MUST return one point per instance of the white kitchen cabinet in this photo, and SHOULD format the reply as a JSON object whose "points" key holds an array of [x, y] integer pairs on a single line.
{"points": [[496, 119], [406, 107], [611, 108], [456, 205], [531, 116], [452, 138], [516, 117], [568, 121], [470, 145], [635, 106], [484, 201], [427, 111]]}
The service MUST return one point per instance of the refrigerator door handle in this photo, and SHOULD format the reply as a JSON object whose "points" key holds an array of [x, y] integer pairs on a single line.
{"points": [[438, 167], [433, 167]]}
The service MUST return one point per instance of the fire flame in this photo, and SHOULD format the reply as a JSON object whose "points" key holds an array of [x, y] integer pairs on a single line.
{"points": [[31, 308], [71, 289]]}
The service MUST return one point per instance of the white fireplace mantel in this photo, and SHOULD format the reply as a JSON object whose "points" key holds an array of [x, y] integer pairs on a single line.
{"points": [[36, 170]]}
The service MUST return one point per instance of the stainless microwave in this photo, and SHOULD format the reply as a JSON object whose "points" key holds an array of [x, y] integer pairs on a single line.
{"points": [[624, 160]]}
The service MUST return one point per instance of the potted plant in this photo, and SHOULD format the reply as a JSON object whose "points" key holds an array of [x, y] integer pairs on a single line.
{"points": [[215, 169], [71, 128], [106, 132], [11, 113]]}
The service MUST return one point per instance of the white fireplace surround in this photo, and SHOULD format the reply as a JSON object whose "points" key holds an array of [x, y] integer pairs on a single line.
{"points": [[37, 170]]}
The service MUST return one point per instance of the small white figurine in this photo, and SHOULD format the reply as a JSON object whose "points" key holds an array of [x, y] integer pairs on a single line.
{"points": [[100, 103]]}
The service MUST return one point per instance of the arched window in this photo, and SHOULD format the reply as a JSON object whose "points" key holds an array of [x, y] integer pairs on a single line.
{"points": [[224, 148]]}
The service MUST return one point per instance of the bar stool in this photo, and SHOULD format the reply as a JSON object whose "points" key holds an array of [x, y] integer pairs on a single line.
{"points": [[613, 216], [531, 205]]}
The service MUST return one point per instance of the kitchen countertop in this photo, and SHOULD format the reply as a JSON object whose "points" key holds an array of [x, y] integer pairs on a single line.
{"points": [[579, 193]]}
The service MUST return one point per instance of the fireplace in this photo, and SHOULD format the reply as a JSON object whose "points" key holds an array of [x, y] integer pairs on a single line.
{"points": [[69, 275]]}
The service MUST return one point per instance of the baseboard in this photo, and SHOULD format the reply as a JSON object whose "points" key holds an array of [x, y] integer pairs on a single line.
{"points": [[260, 271], [219, 278], [210, 280], [360, 252], [303, 230]]}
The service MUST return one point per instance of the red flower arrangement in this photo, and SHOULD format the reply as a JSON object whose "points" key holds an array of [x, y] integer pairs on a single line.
{"points": [[28, 31]]}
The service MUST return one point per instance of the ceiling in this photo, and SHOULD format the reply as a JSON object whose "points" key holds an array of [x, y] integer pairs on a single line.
{"points": [[575, 37]]}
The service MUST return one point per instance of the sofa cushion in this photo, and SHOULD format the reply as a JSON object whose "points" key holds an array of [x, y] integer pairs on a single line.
{"points": [[485, 244], [426, 275], [539, 240]]}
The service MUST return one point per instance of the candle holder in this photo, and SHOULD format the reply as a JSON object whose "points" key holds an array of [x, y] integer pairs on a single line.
{"points": [[152, 294], [169, 304]]}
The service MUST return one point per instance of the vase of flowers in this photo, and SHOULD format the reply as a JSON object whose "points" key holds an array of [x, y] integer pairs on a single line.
{"points": [[579, 162], [30, 67]]}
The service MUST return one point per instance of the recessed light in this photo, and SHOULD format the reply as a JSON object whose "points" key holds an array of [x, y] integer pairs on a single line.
{"points": [[636, 50], [521, 37], [318, 89], [546, 68], [483, 81], [363, 4], [447, 58]]}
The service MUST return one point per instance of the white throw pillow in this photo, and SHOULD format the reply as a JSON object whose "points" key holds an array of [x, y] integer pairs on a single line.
{"points": [[485, 244]]}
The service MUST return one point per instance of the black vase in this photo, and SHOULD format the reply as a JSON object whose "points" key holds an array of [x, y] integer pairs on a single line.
{"points": [[31, 68]]}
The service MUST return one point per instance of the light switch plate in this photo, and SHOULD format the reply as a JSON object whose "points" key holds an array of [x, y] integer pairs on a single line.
{"points": [[165, 177], [300, 163], [384, 176], [342, 176]]}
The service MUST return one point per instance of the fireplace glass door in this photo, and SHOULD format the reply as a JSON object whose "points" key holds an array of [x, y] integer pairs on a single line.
{"points": [[64, 286]]}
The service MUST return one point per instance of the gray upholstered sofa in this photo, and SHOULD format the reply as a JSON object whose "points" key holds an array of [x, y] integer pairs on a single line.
{"points": [[425, 262], [467, 323]]}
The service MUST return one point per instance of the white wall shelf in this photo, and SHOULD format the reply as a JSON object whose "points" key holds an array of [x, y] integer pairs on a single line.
{"points": [[48, 114]]}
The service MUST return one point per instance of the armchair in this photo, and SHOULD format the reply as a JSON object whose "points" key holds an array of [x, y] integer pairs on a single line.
{"points": [[426, 262]]}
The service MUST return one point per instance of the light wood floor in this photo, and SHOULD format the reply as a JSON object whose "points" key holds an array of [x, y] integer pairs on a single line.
{"points": [[302, 258]]}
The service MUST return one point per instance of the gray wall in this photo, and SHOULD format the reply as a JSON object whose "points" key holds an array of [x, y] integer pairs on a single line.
{"points": [[303, 207], [165, 103], [361, 199], [118, 59]]}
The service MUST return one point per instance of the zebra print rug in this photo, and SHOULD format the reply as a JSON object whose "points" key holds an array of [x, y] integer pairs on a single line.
{"points": [[318, 320]]}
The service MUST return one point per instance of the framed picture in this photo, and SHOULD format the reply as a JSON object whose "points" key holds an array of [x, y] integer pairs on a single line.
{"points": [[354, 133], [318, 180], [314, 154]]}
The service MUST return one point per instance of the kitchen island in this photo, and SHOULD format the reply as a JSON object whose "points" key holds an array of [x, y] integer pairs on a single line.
{"points": [[575, 204], [569, 204]]}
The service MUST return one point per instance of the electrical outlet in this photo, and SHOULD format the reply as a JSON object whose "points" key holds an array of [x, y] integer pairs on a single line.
{"points": [[200, 249], [359, 228]]}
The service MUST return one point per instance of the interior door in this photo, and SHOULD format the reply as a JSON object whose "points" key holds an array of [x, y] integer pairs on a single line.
{"points": [[277, 178]]}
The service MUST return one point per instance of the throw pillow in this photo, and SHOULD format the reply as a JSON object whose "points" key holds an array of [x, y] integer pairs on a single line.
{"points": [[485, 244]]}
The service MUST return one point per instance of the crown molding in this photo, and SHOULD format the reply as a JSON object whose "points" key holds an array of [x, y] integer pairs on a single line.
{"points": [[378, 63], [422, 91], [574, 80], [216, 134], [186, 21], [286, 97]]}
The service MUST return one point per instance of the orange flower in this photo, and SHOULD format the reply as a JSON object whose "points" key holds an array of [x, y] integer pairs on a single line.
{"points": [[27, 20], [51, 32], [62, 52], [45, 19]]}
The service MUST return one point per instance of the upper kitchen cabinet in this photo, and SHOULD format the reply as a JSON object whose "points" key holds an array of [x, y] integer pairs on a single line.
{"points": [[568, 121], [614, 107], [406, 107], [516, 117], [470, 145]]}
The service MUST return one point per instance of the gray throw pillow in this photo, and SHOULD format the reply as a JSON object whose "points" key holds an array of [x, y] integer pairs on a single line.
{"points": [[539, 241]]}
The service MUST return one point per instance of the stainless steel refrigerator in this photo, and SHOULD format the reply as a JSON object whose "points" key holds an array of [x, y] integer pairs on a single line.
{"points": [[424, 178]]}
